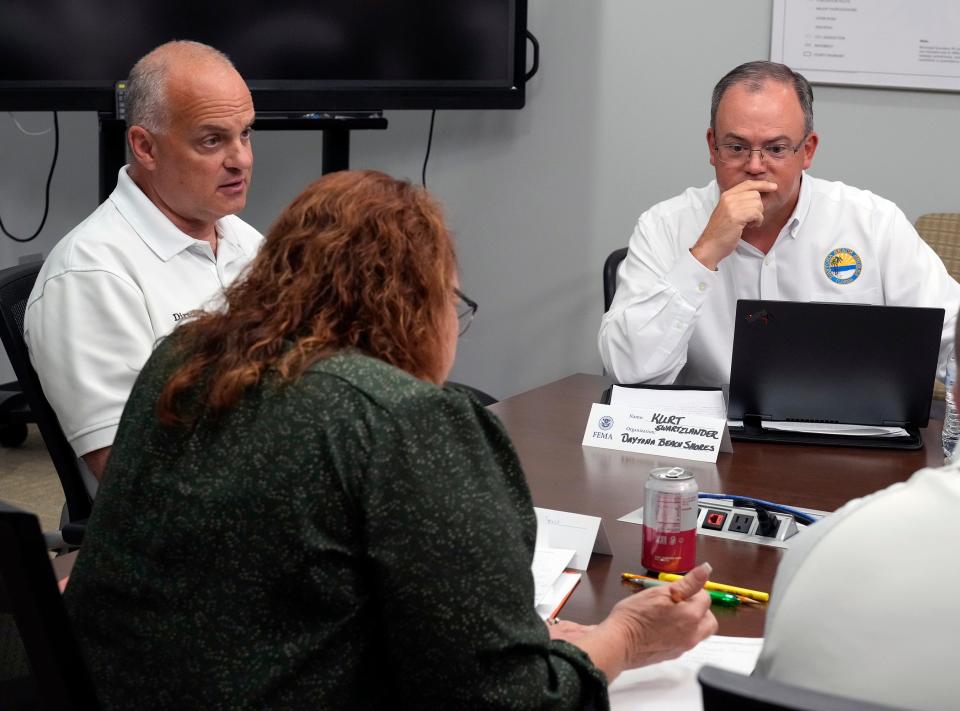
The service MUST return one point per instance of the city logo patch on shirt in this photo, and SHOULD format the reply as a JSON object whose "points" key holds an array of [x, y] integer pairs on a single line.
{"points": [[842, 265]]}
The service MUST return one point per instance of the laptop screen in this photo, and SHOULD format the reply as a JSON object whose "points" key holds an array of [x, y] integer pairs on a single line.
{"points": [[847, 363]]}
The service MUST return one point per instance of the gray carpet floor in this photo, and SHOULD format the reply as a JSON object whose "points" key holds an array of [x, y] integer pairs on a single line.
{"points": [[29, 481]]}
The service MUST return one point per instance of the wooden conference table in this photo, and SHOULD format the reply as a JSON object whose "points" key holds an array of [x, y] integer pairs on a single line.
{"points": [[546, 426]]}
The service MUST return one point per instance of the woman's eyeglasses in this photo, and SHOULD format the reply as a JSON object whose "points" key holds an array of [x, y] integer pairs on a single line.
{"points": [[466, 310]]}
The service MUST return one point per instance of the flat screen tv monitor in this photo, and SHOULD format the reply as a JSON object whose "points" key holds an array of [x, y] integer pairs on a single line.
{"points": [[296, 55]]}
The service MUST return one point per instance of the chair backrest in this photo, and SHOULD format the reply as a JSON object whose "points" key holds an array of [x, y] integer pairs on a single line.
{"points": [[723, 690], [15, 286], [941, 230], [610, 276], [31, 609]]}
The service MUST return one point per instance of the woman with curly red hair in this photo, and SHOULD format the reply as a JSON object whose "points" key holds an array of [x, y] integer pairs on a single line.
{"points": [[296, 514]]}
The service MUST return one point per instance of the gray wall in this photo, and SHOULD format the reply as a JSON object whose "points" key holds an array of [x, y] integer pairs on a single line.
{"points": [[614, 122]]}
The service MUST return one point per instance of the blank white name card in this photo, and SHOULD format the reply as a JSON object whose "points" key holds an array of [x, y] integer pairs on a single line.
{"points": [[582, 533]]}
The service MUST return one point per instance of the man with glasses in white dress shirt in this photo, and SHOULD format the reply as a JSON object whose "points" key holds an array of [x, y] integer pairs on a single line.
{"points": [[763, 229]]}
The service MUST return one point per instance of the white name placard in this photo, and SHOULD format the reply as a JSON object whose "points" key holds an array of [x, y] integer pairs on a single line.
{"points": [[582, 533], [648, 431]]}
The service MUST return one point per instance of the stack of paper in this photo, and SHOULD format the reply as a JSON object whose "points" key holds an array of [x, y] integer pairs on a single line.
{"points": [[552, 584], [836, 429], [673, 685]]}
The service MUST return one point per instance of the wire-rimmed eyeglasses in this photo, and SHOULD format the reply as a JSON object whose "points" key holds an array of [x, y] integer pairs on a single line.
{"points": [[738, 153], [466, 310]]}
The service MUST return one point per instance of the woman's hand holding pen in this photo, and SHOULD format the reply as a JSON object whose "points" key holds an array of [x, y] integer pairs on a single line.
{"points": [[652, 626]]}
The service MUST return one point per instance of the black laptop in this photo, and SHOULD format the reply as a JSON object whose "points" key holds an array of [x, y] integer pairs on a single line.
{"points": [[833, 363]]}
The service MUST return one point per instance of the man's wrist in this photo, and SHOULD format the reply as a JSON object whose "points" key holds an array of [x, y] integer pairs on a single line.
{"points": [[702, 255]]}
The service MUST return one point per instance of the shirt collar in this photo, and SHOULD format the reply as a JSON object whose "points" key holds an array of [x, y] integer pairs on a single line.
{"points": [[156, 230]]}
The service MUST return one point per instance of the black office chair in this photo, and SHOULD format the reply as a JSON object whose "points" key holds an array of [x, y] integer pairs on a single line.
{"points": [[723, 690], [15, 286], [40, 662], [610, 276], [15, 415], [480, 396]]}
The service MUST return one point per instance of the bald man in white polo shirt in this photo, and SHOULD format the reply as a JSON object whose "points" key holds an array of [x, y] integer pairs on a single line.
{"points": [[166, 242]]}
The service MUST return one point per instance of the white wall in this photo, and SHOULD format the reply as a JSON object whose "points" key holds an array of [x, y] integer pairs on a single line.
{"points": [[614, 122]]}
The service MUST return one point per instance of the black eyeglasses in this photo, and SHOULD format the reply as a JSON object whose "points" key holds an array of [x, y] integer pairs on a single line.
{"points": [[466, 310], [739, 154]]}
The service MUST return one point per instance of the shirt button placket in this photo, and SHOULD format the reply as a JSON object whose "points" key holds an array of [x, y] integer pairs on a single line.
{"points": [[769, 289]]}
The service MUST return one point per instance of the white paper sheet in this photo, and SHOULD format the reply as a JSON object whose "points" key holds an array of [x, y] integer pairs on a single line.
{"points": [[830, 428], [550, 605], [673, 685], [708, 403], [548, 564], [691, 403]]}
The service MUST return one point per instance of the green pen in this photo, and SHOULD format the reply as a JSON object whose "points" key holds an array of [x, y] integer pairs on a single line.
{"points": [[716, 597]]}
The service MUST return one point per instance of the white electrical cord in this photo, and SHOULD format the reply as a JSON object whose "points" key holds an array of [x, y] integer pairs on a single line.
{"points": [[25, 131]]}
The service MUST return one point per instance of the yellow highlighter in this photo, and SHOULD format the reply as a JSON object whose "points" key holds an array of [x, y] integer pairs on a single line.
{"points": [[752, 594]]}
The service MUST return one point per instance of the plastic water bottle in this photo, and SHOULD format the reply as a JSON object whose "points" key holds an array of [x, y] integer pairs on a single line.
{"points": [[951, 423]]}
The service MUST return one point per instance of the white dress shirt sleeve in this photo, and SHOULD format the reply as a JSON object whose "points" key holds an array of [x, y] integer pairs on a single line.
{"points": [[89, 334], [660, 289]]}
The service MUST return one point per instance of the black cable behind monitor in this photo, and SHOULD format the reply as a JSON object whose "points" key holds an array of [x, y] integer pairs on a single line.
{"points": [[46, 200], [536, 57], [423, 173], [433, 114]]}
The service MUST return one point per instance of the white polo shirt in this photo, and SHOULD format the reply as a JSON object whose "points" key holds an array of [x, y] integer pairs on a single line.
{"points": [[672, 319], [115, 284]]}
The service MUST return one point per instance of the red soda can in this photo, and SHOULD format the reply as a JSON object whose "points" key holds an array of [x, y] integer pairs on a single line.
{"points": [[670, 511]]}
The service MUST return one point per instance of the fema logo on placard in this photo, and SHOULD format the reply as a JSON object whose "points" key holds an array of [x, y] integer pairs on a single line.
{"points": [[605, 422], [842, 265]]}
